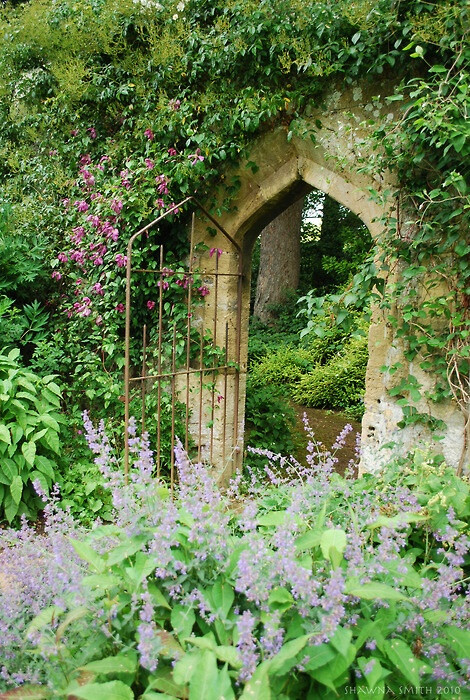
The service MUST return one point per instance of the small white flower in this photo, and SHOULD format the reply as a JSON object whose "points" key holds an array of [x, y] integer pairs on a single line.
{"points": [[175, 16], [180, 6]]}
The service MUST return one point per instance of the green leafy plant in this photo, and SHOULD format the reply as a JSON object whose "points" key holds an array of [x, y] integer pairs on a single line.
{"points": [[30, 430], [318, 587]]}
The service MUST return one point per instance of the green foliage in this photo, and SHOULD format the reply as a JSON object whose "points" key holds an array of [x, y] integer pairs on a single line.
{"points": [[30, 432], [321, 587], [270, 420], [338, 384]]}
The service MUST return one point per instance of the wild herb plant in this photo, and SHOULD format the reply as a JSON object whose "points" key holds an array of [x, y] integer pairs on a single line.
{"points": [[309, 586]]}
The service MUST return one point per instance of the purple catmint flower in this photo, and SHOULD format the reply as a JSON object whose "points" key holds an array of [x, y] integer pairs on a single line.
{"points": [[246, 645]]}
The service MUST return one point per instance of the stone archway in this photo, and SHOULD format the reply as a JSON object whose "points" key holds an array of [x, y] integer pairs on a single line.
{"points": [[277, 172]]}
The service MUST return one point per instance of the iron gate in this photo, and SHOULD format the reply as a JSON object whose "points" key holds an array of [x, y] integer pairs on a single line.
{"points": [[189, 366]]}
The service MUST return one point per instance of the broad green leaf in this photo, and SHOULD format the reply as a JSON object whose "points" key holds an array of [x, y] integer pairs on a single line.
{"points": [[112, 664], [16, 489], [203, 682], [257, 687], [10, 507], [89, 555], [341, 640], [286, 657], [182, 620], [335, 668], [52, 440], [309, 540], [371, 591], [47, 419], [162, 680], [333, 543], [26, 384], [125, 550], [52, 386], [375, 675], [222, 596], [16, 432], [460, 640], [143, 567], [44, 618], [403, 659], [318, 656], [184, 668], [5, 434], [158, 598], [44, 465], [114, 690], [275, 517], [70, 618], [9, 470], [224, 685], [101, 581], [29, 452], [280, 599]]}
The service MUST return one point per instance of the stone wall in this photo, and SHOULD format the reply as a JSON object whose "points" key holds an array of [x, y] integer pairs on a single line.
{"points": [[286, 170]]}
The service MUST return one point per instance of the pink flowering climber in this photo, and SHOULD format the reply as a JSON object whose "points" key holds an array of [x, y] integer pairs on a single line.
{"points": [[116, 206], [149, 134], [150, 305], [121, 260], [196, 156]]}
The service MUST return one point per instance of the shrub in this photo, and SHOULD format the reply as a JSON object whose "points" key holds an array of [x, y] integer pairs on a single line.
{"points": [[284, 366], [270, 420], [29, 436], [339, 383], [318, 587]]}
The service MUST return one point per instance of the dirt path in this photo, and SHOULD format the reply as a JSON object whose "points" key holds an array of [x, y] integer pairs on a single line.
{"points": [[327, 425]]}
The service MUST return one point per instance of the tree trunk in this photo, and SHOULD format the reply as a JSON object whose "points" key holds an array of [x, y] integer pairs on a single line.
{"points": [[279, 261]]}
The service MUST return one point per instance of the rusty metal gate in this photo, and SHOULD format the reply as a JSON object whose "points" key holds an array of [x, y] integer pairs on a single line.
{"points": [[190, 366]]}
